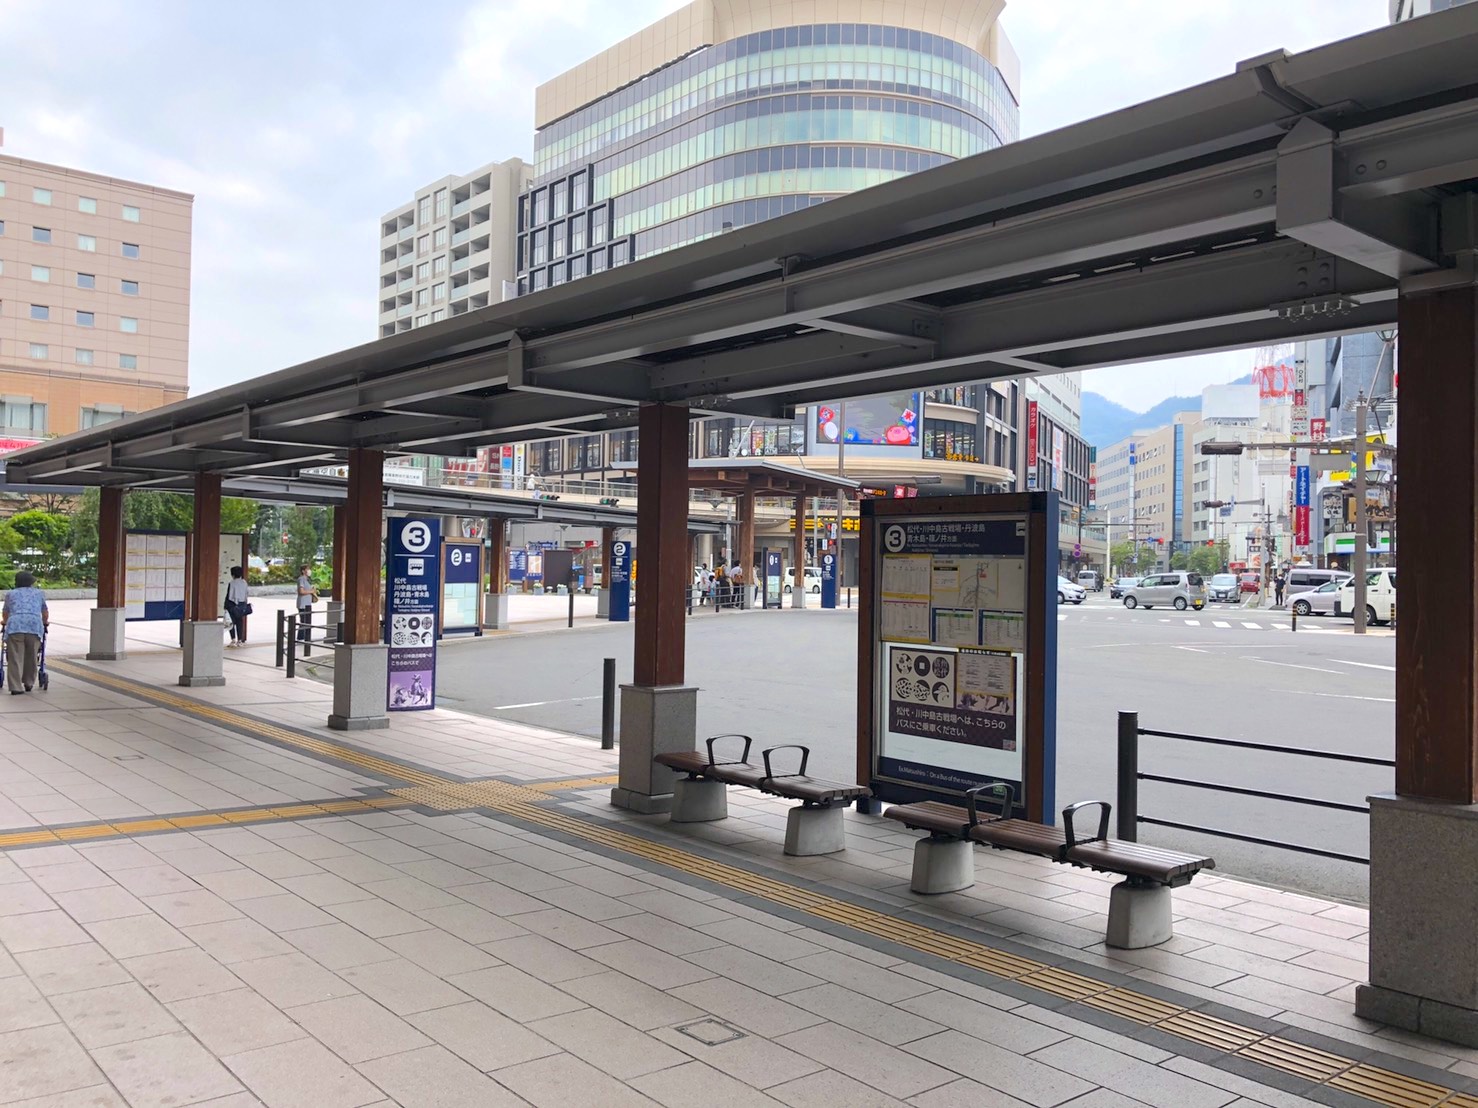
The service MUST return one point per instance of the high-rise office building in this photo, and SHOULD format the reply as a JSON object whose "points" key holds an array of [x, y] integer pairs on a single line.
{"points": [[451, 249], [725, 114], [94, 298]]}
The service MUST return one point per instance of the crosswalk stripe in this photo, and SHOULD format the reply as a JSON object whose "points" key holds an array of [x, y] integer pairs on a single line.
{"points": [[1280, 626], [1219, 623], [1193, 623], [1252, 626]]}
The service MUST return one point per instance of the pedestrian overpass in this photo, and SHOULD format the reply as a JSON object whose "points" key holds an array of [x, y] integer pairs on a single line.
{"points": [[1296, 196]]}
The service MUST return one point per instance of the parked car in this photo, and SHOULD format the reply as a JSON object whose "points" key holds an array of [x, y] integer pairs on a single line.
{"points": [[1250, 582], [1223, 586], [813, 579], [1090, 579], [1068, 593], [1302, 579], [1120, 586], [1380, 596], [1178, 590], [1317, 602]]}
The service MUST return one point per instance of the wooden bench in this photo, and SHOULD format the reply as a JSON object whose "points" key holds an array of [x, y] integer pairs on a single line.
{"points": [[1139, 906], [812, 827]]}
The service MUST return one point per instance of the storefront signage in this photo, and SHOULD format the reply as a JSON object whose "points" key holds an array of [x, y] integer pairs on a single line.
{"points": [[1031, 436], [412, 593]]}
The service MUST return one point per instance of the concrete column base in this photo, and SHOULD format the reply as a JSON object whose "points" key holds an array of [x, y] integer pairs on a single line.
{"points": [[811, 831], [495, 611], [1139, 916], [361, 678], [1423, 904], [105, 641], [696, 801], [335, 617], [942, 866], [797, 598], [660, 720], [204, 653], [602, 604]]}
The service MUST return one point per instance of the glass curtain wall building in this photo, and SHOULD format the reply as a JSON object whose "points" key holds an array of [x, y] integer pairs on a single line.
{"points": [[720, 116]]}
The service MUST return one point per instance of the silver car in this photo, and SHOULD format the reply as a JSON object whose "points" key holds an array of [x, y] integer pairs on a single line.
{"points": [[1179, 590], [1317, 602]]}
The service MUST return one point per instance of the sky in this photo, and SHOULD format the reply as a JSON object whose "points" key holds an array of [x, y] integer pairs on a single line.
{"points": [[296, 126]]}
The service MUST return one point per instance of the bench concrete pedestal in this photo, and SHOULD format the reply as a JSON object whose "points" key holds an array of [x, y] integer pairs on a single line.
{"points": [[602, 604], [204, 653], [811, 831], [105, 641], [1139, 916], [696, 801], [1423, 907], [495, 611], [942, 866], [654, 720], [361, 678], [797, 598]]}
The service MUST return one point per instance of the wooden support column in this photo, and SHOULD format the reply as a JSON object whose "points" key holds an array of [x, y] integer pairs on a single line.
{"points": [[497, 554], [799, 553], [110, 547], [607, 536], [362, 585], [341, 553], [745, 554], [205, 549], [662, 545]]}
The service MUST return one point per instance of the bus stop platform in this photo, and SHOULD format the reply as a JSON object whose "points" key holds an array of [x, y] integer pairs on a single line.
{"points": [[210, 898]]}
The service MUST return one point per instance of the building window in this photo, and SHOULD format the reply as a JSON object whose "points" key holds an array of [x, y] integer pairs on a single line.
{"points": [[87, 204], [438, 315], [423, 271], [84, 357], [577, 191], [540, 254], [41, 196], [597, 227], [39, 351], [557, 241], [420, 321], [423, 297], [541, 207], [40, 273], [423, 246], [100, 414], [2, 188], [86, 281], [438, 239], [423, 209], [438, 265], [577, 234], [40, 234], [129, 288], [130, 214], [87, 242], [41, 312], [438, 292], [558, 196], [620, 252], [2, 222], [130, 249], [22, 415], [128, 361], [128, 324], [441, 203], [577, 267], [84, 319]]}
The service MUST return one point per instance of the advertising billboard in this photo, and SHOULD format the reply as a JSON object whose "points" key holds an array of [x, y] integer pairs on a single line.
{"points": [[876, 423]]}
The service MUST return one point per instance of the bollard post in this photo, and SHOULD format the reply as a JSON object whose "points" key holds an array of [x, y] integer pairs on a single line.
{"points": [[292, 646], [608, 705], [339, 633], [1128, 798], [571, 591], [281, 625], [1295, 619], [308, 633]]}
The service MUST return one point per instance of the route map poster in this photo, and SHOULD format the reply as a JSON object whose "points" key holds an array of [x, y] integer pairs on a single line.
{"points": [[412, 594], [966, 696]]}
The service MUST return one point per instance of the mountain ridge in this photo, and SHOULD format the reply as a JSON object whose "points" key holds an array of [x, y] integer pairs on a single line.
{"points": [[1106, 422]]}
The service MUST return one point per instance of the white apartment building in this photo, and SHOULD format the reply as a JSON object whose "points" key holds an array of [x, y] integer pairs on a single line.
{"points": [[1061, 398], [451, 250]]}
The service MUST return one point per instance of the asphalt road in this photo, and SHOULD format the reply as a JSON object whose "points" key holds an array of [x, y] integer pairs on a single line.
{"points": [[791, 677]]}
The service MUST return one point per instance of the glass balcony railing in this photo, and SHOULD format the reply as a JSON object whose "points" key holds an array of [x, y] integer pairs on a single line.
{"points": [[459, 264], [407, 232], [459, 237], [404, 310]]}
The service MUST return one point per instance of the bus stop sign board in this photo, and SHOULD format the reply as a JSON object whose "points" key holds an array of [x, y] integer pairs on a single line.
{"points": [[958, 648]]}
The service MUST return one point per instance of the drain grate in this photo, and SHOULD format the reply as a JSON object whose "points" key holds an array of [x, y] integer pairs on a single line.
{"points": [[711, 1032]]}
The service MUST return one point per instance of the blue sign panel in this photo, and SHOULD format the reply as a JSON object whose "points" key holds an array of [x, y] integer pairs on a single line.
{"points": [[518, 565], [772, 578], [1301, 494], [412, 593], [622, 555], [828, 580], [461, 588]]}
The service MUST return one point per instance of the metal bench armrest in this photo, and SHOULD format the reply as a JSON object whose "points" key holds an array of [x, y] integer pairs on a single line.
{"points": [[744, 757], [1003, 791], [805, 757], [1103, 819]]}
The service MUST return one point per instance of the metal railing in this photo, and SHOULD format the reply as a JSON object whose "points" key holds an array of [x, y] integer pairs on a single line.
{"points": [[295, 636], [1129, 776]]}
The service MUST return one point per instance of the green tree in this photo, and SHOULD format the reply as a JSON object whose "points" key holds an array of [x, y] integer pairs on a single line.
{"points": [[302, 537], [1126, 558], [1181, 559], [1205, 560], [40, 541], [148, 510]]}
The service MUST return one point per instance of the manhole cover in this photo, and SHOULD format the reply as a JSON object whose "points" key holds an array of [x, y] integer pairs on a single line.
{"points": [[711, 1032]]}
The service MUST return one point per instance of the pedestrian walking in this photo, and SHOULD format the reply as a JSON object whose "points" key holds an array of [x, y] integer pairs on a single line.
{"points": [[736, 577], [23, 621], [307, 594], [238, 606], [721, 585], [1279, 581]]}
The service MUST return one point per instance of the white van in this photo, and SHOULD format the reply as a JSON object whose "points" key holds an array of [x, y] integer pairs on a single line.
{"points": [[1380, 596]]}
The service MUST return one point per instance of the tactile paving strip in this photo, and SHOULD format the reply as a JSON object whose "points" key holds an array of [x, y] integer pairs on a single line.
{"points": [[527, 803]]}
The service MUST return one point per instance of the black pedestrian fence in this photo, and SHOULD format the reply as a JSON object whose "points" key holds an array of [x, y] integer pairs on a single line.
{"points": [[1130, 775], [299, 632]]}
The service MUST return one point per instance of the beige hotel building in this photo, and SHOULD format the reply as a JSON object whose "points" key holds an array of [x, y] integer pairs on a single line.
{"points": [[94, 299]]}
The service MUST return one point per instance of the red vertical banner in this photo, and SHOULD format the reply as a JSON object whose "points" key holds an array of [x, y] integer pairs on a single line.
{"points": [[1301, 525], [1031, 434]]}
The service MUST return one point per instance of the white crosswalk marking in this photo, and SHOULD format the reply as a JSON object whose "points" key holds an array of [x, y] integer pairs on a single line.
{"points": [[1253, 626], [1280, 626], [1220, 623], [1193, 623]]}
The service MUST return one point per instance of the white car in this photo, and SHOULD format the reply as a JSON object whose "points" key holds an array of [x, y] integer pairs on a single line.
{"points": [[813, 579], [1069, 593], [1380, 596]]}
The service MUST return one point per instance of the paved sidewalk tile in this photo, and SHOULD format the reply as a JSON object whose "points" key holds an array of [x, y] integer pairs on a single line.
{"points": [[113, 1014], [235, 1021], [487, 1039], [302, 1074], [44, 1061], [433, 1077], [357, 1028], [164, 1071], [562, 1080]]}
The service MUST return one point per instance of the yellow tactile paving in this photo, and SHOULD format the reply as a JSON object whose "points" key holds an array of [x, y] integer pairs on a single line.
{"points": [[527, 803]]}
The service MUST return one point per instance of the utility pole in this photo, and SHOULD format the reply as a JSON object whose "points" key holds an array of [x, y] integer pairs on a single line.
{"points": [[1362, 524]]}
